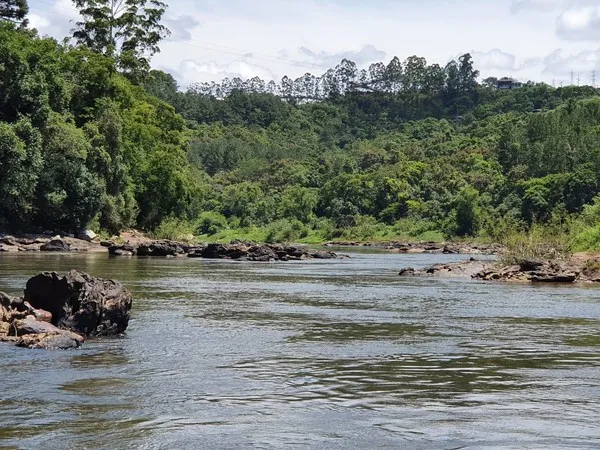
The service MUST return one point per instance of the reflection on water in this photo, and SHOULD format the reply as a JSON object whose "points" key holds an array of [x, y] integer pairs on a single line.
{"points": [[324, 354]]}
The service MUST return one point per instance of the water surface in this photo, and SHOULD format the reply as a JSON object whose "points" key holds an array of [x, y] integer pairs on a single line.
{"points": [[321, 354]]}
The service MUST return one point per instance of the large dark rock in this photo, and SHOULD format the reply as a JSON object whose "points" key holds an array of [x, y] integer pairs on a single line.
{"points": [[55, 245], [81, 303], [161, 248], [122, 250]]}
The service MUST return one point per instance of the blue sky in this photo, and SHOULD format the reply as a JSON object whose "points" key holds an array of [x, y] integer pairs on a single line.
{"points": [[528, 39]]}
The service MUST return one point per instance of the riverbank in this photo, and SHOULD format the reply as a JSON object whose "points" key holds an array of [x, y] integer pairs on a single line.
{"points": [[464, 248], [579, 268], [128, 243]]}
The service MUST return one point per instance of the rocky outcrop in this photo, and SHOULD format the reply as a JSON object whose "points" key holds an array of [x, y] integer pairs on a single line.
{"points": [[237, 250], [532, 271], [424, 247], [162, 248], [462, 269], [81, 303], [249, 251], [526, 271], [58, 312]]}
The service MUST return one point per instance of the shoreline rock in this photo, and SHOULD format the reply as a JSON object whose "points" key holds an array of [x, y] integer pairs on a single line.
{"points": [[60, 312], [424, 247], [581, 268], [237, 250]]}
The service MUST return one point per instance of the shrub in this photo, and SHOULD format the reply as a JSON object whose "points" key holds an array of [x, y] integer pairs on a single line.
{"points": [[210, 222], [174, 229]]}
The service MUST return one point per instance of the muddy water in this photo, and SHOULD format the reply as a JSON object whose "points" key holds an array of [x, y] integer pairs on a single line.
{"points": [[325, 354]]}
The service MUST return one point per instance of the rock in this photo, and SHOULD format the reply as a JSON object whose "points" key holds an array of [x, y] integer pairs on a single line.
{"points": [[107, 243], [41, 315], [160, 248], [63, 340], [87, 235], [407, 272], [5, 300], [56, 245], [31, 326], [122, 250], [319, 254], [81, 303], [4, 328], [528, 265]]}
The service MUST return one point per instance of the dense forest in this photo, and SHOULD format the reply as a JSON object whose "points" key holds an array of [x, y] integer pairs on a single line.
{"points": [[90, 136]]}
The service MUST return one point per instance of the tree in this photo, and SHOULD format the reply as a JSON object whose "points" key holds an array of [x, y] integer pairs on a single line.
{"points": [[14, 11], [127, 30]]}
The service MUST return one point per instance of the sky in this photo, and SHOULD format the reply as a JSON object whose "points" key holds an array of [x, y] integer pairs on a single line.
{"points": [[555, 41]]}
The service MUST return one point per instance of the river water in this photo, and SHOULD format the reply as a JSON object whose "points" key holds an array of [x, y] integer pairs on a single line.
{"points": [[321, 354]]}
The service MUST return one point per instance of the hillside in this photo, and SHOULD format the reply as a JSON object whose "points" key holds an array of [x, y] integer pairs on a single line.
{"points": [[401, 150]]}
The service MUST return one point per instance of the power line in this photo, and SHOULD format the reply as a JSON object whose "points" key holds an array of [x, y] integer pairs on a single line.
{"points": [[208, 45]]}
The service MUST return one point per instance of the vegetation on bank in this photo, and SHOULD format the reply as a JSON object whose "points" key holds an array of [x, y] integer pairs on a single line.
{"points": [[90, 137]]}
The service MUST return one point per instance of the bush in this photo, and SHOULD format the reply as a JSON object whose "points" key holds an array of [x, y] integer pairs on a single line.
{"points": [[210, 222], [539, 243], [285, 230], [174, 229]]}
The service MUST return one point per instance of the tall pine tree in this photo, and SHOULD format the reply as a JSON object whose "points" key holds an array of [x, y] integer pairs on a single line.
{"points": [[127, 30], [14, 11]]}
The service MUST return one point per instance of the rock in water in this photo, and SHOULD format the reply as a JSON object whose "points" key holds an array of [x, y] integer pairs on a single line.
{"points": [[81, 303], [56, 245], [160, 248]]}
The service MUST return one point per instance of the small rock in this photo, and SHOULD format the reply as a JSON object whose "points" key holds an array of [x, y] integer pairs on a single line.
{"points": [[87, 235], [31, 326], [63, 340]]}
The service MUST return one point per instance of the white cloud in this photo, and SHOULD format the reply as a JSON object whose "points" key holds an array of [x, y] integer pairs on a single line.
{"points": [[38, 22], [495, 59], [272, 38], [181, 27], [579, 24], [191, 71], [518, 6], [367, 54], [581, 64]]}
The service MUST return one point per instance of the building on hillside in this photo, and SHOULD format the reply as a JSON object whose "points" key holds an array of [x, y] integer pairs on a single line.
{"points": [[508, 83]]}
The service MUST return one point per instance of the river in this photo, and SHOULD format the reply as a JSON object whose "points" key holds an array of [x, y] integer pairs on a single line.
{"points": [[320, 354]]}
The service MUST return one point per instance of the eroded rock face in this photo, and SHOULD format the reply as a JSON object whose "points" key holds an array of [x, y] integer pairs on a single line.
{"points": [[58, 311], [81, 303]]}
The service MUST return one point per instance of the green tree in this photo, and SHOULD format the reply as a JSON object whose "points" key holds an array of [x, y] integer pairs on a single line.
{"points": [[127, 30], [14, 11]]}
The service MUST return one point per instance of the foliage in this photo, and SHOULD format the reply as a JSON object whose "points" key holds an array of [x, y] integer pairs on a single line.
{"points": [[127, 30], [401, 150]]}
